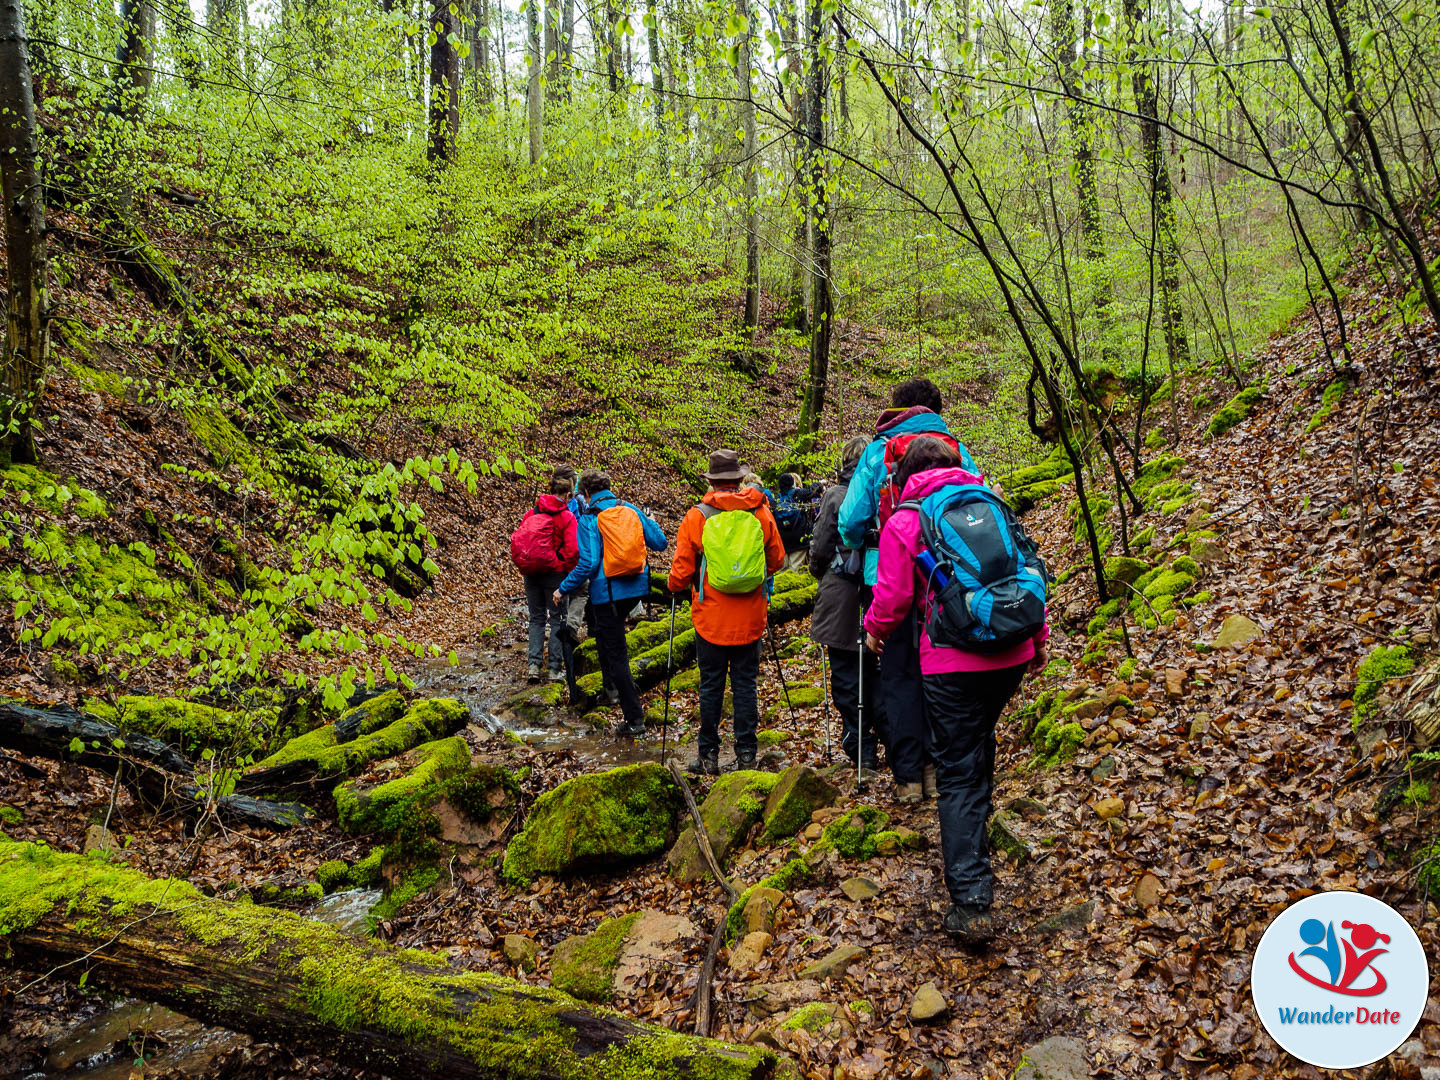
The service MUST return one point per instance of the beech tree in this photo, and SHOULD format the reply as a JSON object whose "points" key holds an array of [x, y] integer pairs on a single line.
{"points": [[27, 329]]}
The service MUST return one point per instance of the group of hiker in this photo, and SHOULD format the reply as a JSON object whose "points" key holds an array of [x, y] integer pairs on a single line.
{"points": [[930, 609]]}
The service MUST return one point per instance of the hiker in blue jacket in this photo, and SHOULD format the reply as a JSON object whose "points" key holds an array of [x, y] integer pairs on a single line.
{"points": [[611, 597], [915, 410]]}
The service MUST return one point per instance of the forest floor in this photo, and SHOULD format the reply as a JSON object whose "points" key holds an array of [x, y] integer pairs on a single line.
{"points": [[1242, 785]]}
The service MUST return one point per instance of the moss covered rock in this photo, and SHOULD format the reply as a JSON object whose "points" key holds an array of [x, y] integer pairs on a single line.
{"points": [[780, 882], [599, 819], [801, 697], [1235, 410], [1124, 568], [1379, 679], [735, 803], [585, 966], [382, 808], [533, 704], [798, 792]]}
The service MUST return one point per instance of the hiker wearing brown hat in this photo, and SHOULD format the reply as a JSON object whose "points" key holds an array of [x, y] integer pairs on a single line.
{"points": [[727, 549]]}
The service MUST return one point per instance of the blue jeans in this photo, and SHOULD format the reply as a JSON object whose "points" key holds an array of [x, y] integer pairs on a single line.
{"points": [[539, 597]]}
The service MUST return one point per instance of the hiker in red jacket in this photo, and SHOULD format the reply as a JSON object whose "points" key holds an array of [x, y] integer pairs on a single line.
{"points": [[545, 548]]}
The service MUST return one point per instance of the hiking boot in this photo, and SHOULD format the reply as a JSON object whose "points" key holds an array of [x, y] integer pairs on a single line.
{"points": [[557, 676], [970, 924], [612, 695], [927, 782], [744, 762], [709, 764], [909, 794], [534, 673], [630, 731]]}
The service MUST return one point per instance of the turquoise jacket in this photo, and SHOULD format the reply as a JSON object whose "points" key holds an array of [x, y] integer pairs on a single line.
{"points": [[862, 502]]}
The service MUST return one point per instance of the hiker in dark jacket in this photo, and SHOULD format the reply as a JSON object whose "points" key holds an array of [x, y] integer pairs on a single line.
{"points": [[915, 411], [546, 550], [612, 595], [835, 623]]}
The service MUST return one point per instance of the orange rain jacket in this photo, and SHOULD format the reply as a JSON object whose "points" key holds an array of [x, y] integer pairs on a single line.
{"points": [[720, 618]]}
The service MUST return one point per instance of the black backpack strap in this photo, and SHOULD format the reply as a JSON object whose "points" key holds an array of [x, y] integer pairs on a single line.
{"points": [[707, 511]]}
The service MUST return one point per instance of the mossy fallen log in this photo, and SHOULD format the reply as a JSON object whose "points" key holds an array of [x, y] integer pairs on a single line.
{"points": [[282, 977], [155, 770], [318, 759]]}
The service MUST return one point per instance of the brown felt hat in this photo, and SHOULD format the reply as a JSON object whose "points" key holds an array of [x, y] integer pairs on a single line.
{"points": [[725, 465]]}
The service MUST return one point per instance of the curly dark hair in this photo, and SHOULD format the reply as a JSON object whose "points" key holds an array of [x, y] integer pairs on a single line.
{"points": [[917, 392]]}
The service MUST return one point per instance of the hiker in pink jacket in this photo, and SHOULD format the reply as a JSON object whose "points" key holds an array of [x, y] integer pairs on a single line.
{"points": [[965, 691]]}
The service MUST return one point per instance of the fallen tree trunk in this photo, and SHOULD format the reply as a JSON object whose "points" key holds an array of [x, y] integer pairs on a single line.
{"points": [[151, 767], [284, 978]]}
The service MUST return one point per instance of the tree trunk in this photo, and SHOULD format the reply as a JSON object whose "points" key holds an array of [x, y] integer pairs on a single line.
{"points": [[752, 208], [551, 54], [1172, 316], [797, 310], [612, 52], [822, 301], [27, 325], [567, 48], [134, 71], [534, 102], [444, 118], [223, 22], [657, 79], [152, 768], [285, 978]]}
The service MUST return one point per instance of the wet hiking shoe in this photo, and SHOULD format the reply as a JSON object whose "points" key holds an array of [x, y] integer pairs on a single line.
{"points": [[909, 794], [709, 764], [928, 783], [630, 731], [744, 762], [534, 674], [557, 676], [969, 924]]}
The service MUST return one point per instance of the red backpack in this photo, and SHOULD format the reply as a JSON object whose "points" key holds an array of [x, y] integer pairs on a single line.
{"points": [[534, 546], [895, 447]]}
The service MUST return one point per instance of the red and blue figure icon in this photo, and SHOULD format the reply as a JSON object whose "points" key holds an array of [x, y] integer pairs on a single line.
{"points": [[1345, 969]]}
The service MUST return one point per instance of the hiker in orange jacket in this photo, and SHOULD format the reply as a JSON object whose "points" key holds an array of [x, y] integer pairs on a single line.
{"points": [[729, 618]]}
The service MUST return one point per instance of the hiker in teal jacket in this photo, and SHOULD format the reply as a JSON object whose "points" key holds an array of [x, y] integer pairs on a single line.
{"points": [[611, 598], [915, 411]]}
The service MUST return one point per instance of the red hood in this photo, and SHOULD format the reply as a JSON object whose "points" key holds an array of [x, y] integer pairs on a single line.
{"points": [[551, 504], [891, 417], [926, 483], [744, 499]]}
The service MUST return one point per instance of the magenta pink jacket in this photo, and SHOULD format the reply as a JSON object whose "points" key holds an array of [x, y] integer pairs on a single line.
{"points": [[899, 587]]}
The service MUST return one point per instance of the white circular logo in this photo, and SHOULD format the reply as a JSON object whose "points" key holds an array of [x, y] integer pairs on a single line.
{"points": [[1339, 980]]}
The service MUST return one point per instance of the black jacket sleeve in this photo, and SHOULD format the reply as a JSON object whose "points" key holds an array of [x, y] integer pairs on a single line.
{"points": [[826, 540]]}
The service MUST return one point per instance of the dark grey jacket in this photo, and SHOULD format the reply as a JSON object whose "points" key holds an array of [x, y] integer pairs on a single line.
{"points": [[836, 620]]}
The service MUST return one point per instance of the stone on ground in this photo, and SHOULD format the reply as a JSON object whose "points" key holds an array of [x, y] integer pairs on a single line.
{"points": [[747, 954], [596, 820], [927, 1003], [520, 951], [834, 963], [797, 794], [1105, 809], [734, 805], [759, 910], [1236, 632], [613, 957], [765, 999], [860, 888], [1005, 836], [98, 838], [1057, 1058], [1074, 917], [656, 940]]}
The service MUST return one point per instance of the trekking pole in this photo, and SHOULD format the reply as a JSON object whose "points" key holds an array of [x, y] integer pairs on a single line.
{"points": [[669, 674], [775, 652], [860, 712], [825, 689]]}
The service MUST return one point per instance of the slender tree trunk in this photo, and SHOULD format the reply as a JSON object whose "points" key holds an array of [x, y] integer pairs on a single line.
{"points": [[797, 311], [27, 327], [1062, 28], [134, 70], [552, 50], [223, 22], [567, 48], [612, 52], [813, 405], [1172, 316], [657, 79], [481, 52], [752, 209], [534, 103], [444, 116]]}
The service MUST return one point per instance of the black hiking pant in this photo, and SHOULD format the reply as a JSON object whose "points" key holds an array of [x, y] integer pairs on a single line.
{"points": [[845, 689], [902, 705], [742, 664], [963, 709], [607, 623]]}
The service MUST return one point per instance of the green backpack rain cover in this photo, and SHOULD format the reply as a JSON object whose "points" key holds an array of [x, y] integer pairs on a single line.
{"points": [[734, 545]]}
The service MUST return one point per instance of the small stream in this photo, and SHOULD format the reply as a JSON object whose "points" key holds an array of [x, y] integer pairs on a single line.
{"points": [[480, 681]]}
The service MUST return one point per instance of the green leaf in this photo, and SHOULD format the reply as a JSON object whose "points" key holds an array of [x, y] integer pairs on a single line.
{"points": [[77, 745]]}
